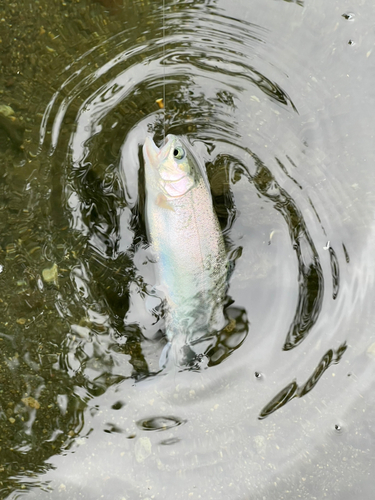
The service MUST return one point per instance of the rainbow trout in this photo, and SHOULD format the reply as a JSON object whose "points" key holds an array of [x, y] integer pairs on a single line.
{"points": [[184, 232]]}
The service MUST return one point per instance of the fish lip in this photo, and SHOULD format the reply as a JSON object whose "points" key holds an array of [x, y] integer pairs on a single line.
{"points": [[151, 151]]}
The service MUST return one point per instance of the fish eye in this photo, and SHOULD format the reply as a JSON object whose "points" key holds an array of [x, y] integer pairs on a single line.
{"points": [[178, 153]]}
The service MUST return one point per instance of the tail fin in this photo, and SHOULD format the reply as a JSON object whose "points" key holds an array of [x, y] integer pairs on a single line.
{"points": [[177, 353]]}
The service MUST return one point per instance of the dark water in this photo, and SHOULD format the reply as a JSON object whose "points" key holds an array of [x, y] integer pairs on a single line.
{"points": [[277, 101]]}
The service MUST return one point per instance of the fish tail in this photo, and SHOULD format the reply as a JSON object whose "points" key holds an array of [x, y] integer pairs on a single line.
{"points": [[175, 354]]}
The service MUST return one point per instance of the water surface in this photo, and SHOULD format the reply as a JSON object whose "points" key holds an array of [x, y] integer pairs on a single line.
{"points": [[277, 102]]}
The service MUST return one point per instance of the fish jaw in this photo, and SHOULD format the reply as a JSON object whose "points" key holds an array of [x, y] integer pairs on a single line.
{"points": [[154, 155]]}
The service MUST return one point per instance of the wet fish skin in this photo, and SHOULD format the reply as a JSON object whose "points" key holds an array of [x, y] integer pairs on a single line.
{"points": [[187, 240]]}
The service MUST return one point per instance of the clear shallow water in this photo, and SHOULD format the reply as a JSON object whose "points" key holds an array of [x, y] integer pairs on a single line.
{"points": [[278, 106]]}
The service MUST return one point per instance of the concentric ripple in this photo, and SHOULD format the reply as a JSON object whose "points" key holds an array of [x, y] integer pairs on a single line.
{"points": [[278, 378], [218, 91], [206, 81]]}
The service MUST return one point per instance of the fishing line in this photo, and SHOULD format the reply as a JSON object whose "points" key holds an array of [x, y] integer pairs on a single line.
{"points": [[164, 103]]}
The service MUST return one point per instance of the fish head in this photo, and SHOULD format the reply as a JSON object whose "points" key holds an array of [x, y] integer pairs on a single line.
{"points": [[172, 166]]}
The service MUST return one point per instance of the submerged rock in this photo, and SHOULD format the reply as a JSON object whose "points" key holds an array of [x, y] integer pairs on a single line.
{"points": [[51, 275]]}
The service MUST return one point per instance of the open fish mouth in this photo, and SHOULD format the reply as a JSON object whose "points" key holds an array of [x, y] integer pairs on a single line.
{"points": [[153, 153], [163, 160]]}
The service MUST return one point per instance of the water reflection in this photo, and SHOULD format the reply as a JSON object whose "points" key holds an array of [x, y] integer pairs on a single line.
{"points": [[311, 284], [293, 390], [82, 329], [107, 211]]}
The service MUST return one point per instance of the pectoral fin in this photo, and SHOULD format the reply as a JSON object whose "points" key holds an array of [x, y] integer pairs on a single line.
{"points": [[162, 202]]}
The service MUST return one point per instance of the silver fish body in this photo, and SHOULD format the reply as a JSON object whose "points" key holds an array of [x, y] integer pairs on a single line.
{"points": [[187, 240]]}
